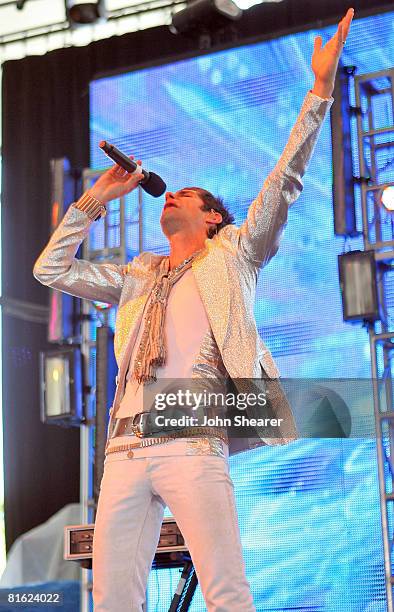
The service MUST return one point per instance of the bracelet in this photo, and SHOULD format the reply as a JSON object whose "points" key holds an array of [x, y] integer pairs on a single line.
{"points": [[91, 206]]}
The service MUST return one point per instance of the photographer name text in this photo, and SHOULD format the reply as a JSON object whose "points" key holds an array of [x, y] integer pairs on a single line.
{"points": [[237, 421]]}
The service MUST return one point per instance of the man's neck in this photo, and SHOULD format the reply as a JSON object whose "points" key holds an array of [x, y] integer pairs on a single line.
{"points": [[181, 247]]}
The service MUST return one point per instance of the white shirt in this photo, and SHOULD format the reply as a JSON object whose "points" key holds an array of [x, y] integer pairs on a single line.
{"points": [[185, 327]]}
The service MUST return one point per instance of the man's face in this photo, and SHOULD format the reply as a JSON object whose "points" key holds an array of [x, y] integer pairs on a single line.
{"points": [[182, 212]]}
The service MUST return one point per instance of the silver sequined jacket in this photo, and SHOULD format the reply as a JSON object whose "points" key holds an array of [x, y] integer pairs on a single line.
{"points": [[226, 274]]}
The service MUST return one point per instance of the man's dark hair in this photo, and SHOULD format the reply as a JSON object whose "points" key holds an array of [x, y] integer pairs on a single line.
{"points": [[210, 201]]}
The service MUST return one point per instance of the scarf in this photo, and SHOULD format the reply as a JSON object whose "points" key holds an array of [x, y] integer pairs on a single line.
{"points": [[151, 353]]}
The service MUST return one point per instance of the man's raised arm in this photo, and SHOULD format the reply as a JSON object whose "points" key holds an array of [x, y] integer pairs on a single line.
{"points": [[260, 233], [57, 265]]}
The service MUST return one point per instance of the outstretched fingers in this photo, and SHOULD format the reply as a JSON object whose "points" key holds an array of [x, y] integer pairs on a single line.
{"points": [[342, 32], [340, 39], [346, 23]]}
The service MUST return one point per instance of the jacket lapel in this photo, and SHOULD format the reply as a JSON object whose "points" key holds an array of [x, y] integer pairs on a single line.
{"points": [[127, 318], [210, 272], [130, 313]]}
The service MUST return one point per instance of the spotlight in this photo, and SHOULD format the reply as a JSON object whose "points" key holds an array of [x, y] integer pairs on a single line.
{"points": [[388, 198], [61, 387], [205, 14], [357, 279], [82, 11]]}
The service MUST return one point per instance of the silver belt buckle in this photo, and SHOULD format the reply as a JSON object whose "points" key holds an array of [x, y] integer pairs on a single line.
{"points": [[139, 428]]}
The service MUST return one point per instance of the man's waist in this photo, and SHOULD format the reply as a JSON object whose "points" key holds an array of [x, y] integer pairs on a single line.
{"points": [[152, 423]]}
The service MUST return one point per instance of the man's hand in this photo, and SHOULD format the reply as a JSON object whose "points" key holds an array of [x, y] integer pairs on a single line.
{"points": [[115, 183], [325, 59]]}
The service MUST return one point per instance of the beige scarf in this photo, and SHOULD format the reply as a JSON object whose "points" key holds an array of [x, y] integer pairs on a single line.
{"points": [[151, 352]]}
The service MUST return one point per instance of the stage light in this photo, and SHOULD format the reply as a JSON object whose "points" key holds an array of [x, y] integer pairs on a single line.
{"points": [[388, 198], [205, 15], [357, 278], [82, 11], [61, 387], [345, 223]]}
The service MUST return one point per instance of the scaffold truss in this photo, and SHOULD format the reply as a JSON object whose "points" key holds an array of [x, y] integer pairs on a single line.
{"points": [[374, 96]]}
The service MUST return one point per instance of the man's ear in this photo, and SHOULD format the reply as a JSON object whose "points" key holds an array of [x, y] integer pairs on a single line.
{"points": [[214, 217]]}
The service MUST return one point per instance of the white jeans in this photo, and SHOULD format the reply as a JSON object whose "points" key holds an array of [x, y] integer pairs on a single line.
{"points": [[200, 495]]}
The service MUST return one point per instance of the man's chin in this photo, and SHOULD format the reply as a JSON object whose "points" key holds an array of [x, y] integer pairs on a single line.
{"points": [[169, 222]]}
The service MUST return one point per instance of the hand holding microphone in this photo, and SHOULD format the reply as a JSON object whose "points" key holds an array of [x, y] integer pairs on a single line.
{"points": [[118, 180], [114, 183]]}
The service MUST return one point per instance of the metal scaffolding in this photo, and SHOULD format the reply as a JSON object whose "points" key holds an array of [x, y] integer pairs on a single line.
{"points": [[374, 95]]}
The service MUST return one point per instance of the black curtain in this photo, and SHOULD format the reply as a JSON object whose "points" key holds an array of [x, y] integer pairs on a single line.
{"points": [[45, 115]]}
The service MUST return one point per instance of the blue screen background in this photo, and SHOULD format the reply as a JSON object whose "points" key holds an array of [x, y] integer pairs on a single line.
{"points": [[308, 512]]}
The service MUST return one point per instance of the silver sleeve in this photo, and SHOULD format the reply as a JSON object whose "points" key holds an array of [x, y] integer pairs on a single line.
{"points": [[57, 266], [260, 234]]}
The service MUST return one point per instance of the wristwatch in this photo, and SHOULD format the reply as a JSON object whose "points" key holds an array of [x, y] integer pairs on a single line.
{"points": [[91, 206]]}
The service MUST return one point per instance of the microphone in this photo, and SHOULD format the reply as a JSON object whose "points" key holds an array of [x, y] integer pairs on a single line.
{"points": [[151, 183]]}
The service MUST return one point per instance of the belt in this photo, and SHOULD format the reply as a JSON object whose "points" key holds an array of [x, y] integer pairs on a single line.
{"points": [[141, 425], [138, 425], [184, 433]]}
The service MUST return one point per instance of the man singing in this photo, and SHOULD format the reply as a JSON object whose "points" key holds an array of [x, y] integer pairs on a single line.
{"points": [[185, 316]]}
